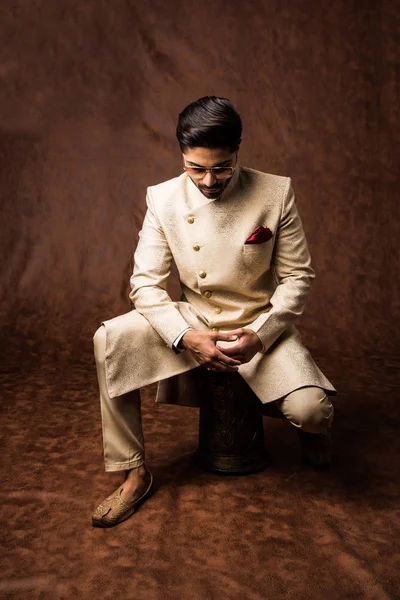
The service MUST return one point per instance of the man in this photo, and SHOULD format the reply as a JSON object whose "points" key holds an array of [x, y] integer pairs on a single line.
{"points": [[244, 267]]}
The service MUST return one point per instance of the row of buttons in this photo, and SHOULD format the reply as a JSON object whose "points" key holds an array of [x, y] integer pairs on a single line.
{"points": [[208, 294], [203, 274], [196, 247]]}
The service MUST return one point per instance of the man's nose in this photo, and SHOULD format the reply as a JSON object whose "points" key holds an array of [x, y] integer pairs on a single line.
{"points": [[209, 179]]}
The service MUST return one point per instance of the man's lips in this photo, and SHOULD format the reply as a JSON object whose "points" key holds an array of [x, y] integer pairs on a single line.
{"points": [[211, 190]]}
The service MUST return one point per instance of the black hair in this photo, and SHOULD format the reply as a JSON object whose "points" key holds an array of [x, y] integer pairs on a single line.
{"points": [[209, 122]]}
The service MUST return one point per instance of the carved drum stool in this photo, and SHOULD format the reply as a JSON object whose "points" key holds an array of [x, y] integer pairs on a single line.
{"points": [[231, 433]]}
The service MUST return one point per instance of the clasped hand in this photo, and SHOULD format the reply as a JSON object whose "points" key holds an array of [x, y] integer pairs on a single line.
{"points": [[203, 346]]}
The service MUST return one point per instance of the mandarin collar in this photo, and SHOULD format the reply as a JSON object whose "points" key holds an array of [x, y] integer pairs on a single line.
{"points": [[195, 193]]}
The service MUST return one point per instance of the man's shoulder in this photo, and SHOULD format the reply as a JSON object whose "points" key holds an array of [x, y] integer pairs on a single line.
{"points": [[165, 188], [263, 178]]}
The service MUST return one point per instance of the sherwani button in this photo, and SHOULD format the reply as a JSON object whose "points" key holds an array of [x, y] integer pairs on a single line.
{"points": [[196, 247], [207, 294], [202, 274], [214, 328], [218, 310], [190, 220]]}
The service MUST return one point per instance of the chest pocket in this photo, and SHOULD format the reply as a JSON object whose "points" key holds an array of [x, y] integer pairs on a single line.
{"points": [[257, 257]]}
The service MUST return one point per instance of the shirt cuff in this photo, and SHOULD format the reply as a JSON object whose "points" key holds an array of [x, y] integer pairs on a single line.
{"points": [[175, 345]]}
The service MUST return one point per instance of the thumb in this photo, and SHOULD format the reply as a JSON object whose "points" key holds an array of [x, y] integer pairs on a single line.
{"points": [[236, 333], [228, 337]]}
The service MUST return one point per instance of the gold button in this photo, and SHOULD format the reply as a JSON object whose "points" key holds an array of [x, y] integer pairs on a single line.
{"points": [[190, 220], [207, 294], [218, 310], [214, 328], [196, 247], [202, 274]]}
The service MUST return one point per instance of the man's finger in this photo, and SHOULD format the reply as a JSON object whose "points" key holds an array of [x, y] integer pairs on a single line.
{"points": [[230, 351], [222, 358], [227, 337], [236, 332], [239, 357], [225, 369], [219, 366]]}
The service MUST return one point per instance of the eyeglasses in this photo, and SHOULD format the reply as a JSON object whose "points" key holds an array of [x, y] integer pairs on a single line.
{"points": [[217, 172]]}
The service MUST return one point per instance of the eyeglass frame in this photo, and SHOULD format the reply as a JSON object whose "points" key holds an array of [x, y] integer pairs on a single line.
{"points": [[212, 170]]}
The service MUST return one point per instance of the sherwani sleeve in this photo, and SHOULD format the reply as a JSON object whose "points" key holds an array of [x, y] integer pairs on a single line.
{"points": [[152, 267], [293, 273]]}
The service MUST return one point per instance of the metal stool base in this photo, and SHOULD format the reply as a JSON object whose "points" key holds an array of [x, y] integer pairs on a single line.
{"points": [[231, 464]]}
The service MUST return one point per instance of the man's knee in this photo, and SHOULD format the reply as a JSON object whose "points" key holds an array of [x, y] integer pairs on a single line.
{"points": [[99, 344], [308, 408]]}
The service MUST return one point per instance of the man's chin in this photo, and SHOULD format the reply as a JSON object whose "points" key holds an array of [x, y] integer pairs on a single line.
{"points": [[210, 193]]}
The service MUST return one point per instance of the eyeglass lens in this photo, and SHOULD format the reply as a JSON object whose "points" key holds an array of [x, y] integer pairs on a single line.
{"points": [[218, 172]]}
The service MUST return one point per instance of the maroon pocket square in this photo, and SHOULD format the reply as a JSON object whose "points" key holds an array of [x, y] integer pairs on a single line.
{"points": [[259, 236]]}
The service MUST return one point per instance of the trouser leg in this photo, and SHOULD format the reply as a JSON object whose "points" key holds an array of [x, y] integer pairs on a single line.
{"points": [[308, 408], [123, 441]]}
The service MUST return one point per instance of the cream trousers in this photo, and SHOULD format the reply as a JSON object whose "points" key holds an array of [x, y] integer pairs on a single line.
{"points": [[307, 408]]}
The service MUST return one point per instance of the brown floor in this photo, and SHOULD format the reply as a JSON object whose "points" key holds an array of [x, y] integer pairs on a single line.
{"points": [[288, 532]]}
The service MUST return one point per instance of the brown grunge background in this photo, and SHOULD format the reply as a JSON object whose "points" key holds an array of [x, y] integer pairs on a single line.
{"points": [[90, 93]]}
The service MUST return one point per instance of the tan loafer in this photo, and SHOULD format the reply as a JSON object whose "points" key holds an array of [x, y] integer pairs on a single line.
{"points": [[114, 509]]}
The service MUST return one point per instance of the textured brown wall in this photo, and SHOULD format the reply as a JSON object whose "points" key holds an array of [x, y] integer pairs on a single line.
{"points": [[91, 91]]}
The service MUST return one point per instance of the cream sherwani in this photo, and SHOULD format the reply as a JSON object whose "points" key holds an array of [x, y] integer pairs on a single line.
{"points": [[226, 284]]}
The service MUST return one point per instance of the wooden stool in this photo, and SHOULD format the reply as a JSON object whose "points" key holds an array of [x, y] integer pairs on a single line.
{"points": [[231, 433]]}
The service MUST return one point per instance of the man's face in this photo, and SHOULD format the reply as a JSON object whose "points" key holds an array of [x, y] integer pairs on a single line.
{"points": [[211, 185]]}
